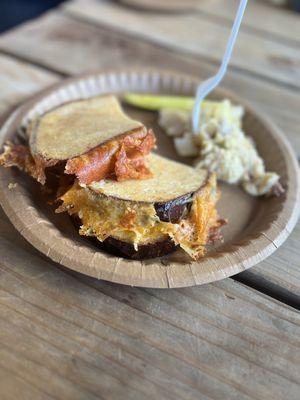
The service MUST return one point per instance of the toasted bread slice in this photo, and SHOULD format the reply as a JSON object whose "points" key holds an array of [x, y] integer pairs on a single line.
{"points": [[125, 249], [79, 126], [142, 219], [170, 180]]}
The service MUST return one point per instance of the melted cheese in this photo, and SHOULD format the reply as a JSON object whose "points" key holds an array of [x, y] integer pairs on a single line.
{"points": [[137, 223]]}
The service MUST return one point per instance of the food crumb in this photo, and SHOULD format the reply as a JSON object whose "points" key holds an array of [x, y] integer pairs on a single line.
{"points": [[12, 185]]}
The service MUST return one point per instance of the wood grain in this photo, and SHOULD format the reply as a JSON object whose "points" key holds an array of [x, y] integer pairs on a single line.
{"points": [[19, 80], [260, 19], [280, 272], [12, 387], [195, 34], [213, 342], [162, 6]]}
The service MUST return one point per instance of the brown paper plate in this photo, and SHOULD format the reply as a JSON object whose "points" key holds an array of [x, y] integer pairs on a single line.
{"points": [[256, 228]]}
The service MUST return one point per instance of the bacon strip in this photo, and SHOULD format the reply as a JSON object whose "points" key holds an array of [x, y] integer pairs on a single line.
{"points": [[122, 159], [18, 155]]}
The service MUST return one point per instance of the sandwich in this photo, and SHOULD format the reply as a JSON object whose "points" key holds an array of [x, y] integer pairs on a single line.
{"points": [[131, 202], [140, 219], [91, 139]]}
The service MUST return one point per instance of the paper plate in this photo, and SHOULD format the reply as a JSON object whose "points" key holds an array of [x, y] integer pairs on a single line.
{"points": [[256, 228]]}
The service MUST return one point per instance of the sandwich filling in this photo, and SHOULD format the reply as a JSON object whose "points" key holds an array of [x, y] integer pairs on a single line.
{"points": [[92, 139], [19, 155], [137, 222], [121, 158]]}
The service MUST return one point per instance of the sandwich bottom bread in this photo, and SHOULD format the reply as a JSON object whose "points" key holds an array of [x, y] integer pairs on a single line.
{"points": [[141, 219]]}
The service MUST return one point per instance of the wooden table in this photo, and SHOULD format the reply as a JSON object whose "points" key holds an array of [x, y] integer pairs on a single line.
{"points": [[66, 336]]}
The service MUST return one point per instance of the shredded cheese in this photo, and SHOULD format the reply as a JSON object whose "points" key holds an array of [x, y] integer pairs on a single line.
{"points": [[137, 222]]}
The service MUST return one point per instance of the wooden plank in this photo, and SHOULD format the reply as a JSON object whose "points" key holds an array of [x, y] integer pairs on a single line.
{"points": [[19, 80], [260, 19], [71, 47], [61, 363], [280, 272], [217, 341], [13, 387], [195, 34], [56, 39]]}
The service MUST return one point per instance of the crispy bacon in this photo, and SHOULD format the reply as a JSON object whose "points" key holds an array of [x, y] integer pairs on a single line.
{"points": [[130, 168], [122, 159], [95, 164], [128, 219], [18, 155]]}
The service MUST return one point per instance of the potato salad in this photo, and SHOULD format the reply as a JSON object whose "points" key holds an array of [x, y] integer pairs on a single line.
{"points": [[221, 146]]}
